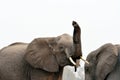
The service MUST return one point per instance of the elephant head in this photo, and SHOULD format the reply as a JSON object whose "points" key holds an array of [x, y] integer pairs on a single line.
{"points": [[101, 62], [51, 53]]}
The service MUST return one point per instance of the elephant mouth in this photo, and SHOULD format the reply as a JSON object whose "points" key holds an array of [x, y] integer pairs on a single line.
{"points": [[77, 61]]}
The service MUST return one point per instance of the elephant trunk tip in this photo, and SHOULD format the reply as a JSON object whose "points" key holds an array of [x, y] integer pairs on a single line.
{"points": [[75, 24]]}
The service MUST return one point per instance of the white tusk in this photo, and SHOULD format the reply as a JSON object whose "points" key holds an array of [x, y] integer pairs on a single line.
{"points": [[72, 60], [84, 60]]}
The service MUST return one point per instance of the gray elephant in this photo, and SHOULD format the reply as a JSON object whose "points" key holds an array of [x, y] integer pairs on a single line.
{"points": [[42, 59], [104, 63]]}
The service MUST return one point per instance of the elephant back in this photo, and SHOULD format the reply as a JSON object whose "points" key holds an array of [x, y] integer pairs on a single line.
{"points": [[13, 49], [11, 61]]}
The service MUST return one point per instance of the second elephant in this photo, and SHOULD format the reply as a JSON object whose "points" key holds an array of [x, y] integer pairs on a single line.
{"points": [[104, 63]]}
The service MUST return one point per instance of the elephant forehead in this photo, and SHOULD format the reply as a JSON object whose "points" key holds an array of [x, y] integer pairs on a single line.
{"points": [[66, 38], [91, 56]]}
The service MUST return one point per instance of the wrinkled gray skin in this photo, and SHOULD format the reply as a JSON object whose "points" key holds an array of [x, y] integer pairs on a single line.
{"points": [[42, 59], [104, 63]]}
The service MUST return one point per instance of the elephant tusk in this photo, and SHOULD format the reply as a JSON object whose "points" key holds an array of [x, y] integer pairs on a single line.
{"points": [[75, 63], [84, 60], [72, 60]]}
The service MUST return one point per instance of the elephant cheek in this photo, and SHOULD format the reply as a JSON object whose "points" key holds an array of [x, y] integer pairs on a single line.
{"points": [[64, 63], [62, 60], [69, 52]]}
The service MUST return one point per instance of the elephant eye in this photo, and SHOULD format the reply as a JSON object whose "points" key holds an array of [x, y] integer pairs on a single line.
{"points": [[61, 48]]}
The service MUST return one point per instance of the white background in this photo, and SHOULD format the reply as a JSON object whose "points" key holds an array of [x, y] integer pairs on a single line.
{"points": [[24, 20]]}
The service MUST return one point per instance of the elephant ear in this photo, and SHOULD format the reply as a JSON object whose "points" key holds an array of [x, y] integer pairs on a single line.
{"points": [[106, 58], [39, 54]]}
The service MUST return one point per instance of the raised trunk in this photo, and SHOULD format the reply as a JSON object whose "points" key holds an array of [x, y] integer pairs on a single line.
{"points": [[77, 41], [77, 46]]}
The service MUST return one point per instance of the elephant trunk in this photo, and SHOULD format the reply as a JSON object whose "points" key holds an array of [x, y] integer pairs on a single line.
{"points": [[76, 45], [77, 41]]}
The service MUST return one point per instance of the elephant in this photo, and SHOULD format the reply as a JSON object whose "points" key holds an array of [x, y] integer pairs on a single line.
{"points": [[42, 59], [104, 63]]}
